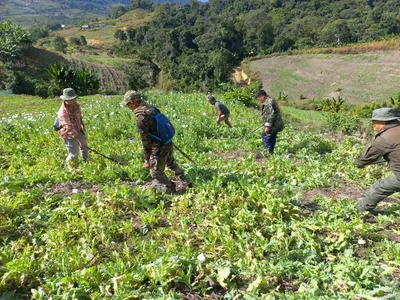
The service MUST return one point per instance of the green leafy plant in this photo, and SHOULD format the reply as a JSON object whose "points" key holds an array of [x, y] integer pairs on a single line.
{"points": [[82, 80]]}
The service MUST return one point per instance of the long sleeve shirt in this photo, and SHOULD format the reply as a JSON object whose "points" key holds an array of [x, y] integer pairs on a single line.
{"points": [[71, 122], [386, 144], [147, 125], [271, 115]]}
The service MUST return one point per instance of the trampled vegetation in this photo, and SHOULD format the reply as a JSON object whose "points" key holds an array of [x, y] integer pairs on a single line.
{"points": [[251, 227]]}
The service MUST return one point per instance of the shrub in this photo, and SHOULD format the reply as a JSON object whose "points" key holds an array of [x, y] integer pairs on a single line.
{"points": [[342, 121], [75, 41], [282, 97], [331, 105], [59, 44], [365, 110], [41, 90], [83, 40], [82, 80], [241, 96]]}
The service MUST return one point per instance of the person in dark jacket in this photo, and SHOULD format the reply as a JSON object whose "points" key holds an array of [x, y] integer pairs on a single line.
{"points": [[385, 146], [271, 119]]}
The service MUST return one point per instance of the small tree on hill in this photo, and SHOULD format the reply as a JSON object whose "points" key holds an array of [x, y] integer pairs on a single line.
{"points": [[83, 40], [120, 35], [59, 44]]}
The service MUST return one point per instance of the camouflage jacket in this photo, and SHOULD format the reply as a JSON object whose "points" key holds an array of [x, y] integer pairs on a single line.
{"points": [[147, 125], [386, 144], [271, 116]]}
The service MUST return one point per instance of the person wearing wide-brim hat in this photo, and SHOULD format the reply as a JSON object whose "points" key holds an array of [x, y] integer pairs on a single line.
{"points": [[72, 129], [384, 146]]}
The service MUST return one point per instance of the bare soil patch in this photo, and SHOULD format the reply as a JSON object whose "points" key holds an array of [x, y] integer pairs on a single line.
{"points": [[345, 191], [242, 155], [68, 188]]}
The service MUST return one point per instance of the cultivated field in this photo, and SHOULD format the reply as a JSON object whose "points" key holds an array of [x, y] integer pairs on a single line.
{"points": [[251, 227], [359, 78]]}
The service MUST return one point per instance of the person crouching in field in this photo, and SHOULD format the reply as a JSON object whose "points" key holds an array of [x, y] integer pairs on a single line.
{"points": [[271, 119], [223, 111], [72, 129], [386, 145], [157, 154]]}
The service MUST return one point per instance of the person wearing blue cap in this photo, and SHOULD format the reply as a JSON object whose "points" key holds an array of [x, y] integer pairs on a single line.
{"points": [[385, 146]]}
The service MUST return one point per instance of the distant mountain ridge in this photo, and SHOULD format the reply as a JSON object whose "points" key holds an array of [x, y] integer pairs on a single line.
{"points": [[31, 11]]}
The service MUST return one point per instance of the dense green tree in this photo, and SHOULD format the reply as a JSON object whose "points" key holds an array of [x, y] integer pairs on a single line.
{"points": [[143, 4], [120, 35], [131, 33], [59, 44], [117, 11], [336, 33], [202, 41], [13, 41]]}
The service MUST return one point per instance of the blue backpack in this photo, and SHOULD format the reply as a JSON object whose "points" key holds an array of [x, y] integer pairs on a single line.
{"points": [[165, 130]]}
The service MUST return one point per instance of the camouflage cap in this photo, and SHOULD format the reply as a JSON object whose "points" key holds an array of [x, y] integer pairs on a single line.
{"points": [[384, 114], [211, 98], [131, 96]]}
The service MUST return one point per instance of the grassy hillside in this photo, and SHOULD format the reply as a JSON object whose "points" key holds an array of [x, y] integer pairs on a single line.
{"points": [[359, 78], [104, 36], [251, 227], [110, 77]]}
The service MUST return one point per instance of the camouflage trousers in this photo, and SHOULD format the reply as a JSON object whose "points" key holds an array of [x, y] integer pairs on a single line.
{"points": [[159, 160], [379, 191]]}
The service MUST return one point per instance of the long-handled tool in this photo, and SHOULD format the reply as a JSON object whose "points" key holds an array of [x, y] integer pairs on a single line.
{"points": [[247, 134], [105, 156], [185, 155]]}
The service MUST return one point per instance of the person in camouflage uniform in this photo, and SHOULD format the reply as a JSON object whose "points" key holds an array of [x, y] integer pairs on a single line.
{"points": [[156, 154], [386, 145], [271, 119]]}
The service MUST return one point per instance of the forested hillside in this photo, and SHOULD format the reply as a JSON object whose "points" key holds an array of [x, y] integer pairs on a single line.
{"points": [[203, 41], [67, 11]]}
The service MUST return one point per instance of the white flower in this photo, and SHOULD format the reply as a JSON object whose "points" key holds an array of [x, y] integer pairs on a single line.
{"points": [[201, 258]]}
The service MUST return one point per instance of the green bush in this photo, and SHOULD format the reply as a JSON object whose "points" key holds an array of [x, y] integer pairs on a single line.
{"points": [[365, 110], [41, 90], [75, 41], [84, 81], [331, 105], [241, 96], [59, 44], [342, 121]]}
